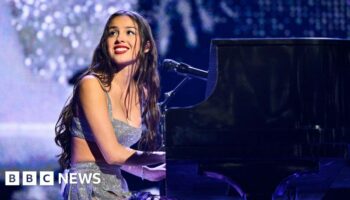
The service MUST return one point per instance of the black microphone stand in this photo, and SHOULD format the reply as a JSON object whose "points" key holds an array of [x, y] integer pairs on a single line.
{"points": [[163, 107]]}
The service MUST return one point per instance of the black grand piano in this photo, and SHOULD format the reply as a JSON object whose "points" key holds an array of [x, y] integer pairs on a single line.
{"points": [[273, 108]]}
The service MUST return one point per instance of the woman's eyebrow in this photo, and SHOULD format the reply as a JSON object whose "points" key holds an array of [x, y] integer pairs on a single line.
{"points": [[131, 27], [116, 27], [113, 27]]}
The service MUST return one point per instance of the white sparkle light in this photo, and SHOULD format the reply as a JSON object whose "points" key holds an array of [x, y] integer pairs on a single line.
{"points": [[98, 8], [75, 43], [184, 8], [65, 30]]}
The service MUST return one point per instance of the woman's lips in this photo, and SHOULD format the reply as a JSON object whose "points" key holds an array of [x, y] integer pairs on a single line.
{"points": [[120, 49]]}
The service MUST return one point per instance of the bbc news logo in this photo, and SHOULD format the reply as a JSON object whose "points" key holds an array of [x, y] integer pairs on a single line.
{"points": [[28, 178]]}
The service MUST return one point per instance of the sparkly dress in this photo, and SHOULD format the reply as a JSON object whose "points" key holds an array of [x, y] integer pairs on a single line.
{"points": [[112, 185]]}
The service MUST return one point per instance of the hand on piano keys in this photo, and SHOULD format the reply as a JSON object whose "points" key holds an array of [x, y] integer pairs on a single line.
{"points": [[154, 173]]}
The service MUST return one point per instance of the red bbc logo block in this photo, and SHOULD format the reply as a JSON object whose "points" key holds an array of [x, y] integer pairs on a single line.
{"points": [[13, 178]]}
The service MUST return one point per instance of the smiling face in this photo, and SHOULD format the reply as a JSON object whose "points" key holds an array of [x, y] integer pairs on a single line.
{"points": [[123, 41]]}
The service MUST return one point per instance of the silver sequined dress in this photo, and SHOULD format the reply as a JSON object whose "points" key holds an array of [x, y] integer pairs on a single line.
{"points": [[112, 185]]}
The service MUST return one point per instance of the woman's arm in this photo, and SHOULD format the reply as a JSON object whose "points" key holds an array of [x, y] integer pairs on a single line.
{"points": [[149, 173], [93, 102]]}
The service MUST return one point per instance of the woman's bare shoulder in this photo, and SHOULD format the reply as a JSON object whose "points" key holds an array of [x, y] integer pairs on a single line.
{"points": [[89, 79], [90, 85], [90, 82]]}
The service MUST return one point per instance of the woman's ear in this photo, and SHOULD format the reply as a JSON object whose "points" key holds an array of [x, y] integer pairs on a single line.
{"points": [[147, 47]]}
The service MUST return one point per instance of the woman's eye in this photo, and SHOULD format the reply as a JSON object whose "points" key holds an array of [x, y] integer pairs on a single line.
{"points": [[111, 33], [130, 32]]}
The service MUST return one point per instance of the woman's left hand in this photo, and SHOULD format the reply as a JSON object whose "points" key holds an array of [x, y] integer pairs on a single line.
{"points": [[157, 173]]}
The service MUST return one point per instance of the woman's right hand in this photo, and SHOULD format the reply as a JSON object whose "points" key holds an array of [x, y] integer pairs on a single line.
{"points": [[160, 155], [146, 158], [157, 173]]}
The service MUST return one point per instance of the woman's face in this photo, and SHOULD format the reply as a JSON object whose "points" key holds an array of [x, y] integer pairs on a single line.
{"points": [[123, 40]]}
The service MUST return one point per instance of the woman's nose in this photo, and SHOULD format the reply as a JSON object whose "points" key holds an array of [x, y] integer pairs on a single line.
{"points": [[120, 38]]}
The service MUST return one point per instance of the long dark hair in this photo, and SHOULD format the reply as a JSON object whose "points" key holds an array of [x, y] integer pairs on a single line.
{"points": [[146, 79]]}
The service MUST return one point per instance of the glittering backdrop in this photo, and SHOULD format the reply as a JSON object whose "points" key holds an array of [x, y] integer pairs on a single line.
{"points": [[58, 37]]}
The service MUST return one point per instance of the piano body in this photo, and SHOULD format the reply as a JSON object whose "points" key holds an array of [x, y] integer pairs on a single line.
{"points": [[273, 108]]}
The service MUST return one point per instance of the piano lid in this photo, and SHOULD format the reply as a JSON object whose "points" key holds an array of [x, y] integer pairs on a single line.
{"points": [[267, 76], [268, 90]]}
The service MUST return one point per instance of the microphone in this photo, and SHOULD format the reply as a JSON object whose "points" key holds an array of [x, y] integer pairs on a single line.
{"points": [[184, 69]]}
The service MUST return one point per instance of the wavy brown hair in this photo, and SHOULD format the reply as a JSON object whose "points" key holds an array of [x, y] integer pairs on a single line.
{"points": [[146, 79]]}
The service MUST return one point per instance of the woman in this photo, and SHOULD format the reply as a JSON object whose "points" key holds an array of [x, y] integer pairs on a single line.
{"points": [[114, 104]]}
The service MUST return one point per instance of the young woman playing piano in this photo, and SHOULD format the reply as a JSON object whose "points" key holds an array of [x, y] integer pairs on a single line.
{"points": [[113, 106]]}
